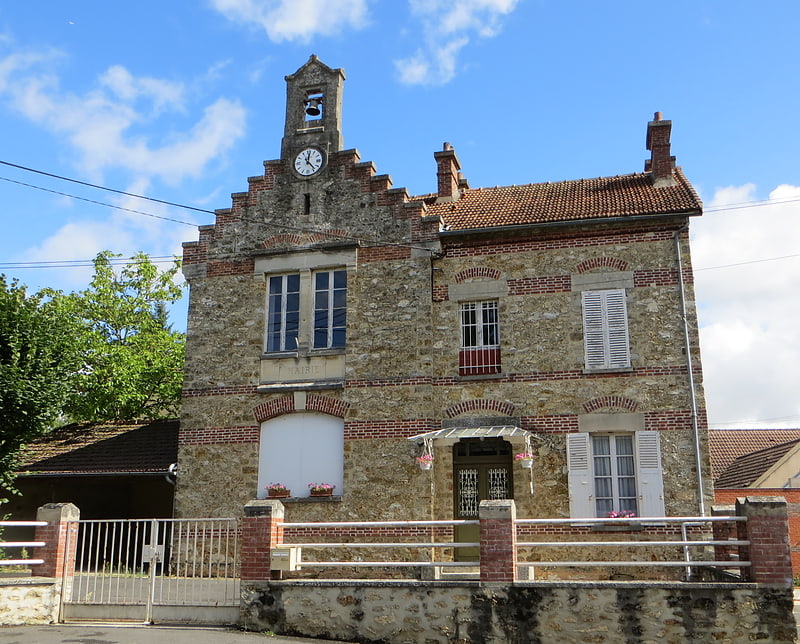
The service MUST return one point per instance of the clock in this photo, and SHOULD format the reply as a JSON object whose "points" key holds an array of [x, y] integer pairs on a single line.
{"points": [[308, 162]]}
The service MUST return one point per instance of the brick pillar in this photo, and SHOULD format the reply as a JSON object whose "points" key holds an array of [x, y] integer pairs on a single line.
{"points": [[724, 532], [767, 529], [60, 536], [498, 540], [262, 529]]}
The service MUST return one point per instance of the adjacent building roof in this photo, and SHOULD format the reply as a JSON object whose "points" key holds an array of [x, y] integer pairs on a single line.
{"points": [[746, 470], [85, 449], [632, 195], [726, 445]]}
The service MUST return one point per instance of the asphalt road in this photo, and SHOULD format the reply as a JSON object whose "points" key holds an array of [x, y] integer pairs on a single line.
{"points": [[105, 634]]}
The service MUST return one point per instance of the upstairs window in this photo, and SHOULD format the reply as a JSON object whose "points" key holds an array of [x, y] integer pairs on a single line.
{"points": [[614, 474], [330, 309], [306, 310], [605, 329], [480, 339], [283, 312]]}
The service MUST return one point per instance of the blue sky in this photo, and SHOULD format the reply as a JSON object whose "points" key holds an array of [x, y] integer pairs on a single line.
{"points": [[183, 101]]}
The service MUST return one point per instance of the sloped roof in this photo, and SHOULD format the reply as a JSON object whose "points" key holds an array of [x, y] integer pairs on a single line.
{"points": [[726, 445], [103, 449], [747, 469], [631, 195]]}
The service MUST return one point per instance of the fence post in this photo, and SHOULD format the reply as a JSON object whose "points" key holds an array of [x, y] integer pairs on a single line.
{"points": [[262, 529], [498, 532], [60, 536], [767, 529]]}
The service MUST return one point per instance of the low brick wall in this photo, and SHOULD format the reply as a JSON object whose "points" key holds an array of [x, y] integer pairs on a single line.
{"points": [[392, 612], [29, 600]]}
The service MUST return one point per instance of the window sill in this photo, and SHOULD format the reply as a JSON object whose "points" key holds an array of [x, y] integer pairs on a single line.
{"points": [[312, 499], [482, 376], [306, 353], [614, 527]]}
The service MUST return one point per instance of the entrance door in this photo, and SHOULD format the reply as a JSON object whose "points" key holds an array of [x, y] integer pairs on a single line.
{"points": [[481, 471]]}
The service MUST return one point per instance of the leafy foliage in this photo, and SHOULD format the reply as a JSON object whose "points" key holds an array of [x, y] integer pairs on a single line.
{"points": [[39, 361], [133, 360]]}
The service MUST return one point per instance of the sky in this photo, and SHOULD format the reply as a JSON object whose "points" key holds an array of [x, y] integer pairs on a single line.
{"points": [[182, 101]]}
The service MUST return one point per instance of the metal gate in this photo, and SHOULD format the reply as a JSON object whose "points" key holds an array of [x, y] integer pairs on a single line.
{"points": [[155, 570]]}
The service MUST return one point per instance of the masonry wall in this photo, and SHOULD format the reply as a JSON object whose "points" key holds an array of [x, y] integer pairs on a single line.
{"points": [[570, 613]]}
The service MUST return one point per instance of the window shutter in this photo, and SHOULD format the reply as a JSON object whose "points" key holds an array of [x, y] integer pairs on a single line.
{"points": [[649, 474], [605, 329], [581, 486], [617, 325]]}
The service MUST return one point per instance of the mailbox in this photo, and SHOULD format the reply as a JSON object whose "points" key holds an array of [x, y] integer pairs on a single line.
{"points": [[285, 558]]}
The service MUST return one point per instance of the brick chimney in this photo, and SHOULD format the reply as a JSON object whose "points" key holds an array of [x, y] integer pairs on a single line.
{"points": [[660, 164], [449, 179]]}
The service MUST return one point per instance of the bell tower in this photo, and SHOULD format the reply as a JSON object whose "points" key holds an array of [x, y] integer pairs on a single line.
{"points": [[313, 128]]}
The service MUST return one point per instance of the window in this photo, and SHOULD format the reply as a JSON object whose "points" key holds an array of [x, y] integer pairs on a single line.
{"points": [[615, 472], [480, 339], [296, 298], [283, 317], [605, 329], [330, 309]]}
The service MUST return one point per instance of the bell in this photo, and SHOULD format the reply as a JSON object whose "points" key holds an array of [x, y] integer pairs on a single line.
{"points": [[312, 107]]}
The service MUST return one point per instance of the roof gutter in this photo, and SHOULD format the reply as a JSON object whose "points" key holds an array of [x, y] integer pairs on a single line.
{"points": [[97, 474]]}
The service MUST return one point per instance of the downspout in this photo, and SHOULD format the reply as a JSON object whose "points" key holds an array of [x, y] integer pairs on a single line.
{"points": [[689, 365]]}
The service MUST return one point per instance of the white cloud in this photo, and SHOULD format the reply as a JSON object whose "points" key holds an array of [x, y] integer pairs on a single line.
{"points": [[101, 124], [448, 26], [748, 308], [296, 19]]}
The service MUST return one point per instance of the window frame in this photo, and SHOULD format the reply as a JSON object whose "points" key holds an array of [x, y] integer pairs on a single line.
{"points": [[279, 329], [648, 472], [334, 312], [479, 351]]}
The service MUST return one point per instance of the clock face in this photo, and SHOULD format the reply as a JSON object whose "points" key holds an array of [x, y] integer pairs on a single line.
{"points": [[308, 162]]}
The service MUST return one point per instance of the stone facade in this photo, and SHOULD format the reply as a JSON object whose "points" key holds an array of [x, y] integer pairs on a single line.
{"points": [[410, 264]]}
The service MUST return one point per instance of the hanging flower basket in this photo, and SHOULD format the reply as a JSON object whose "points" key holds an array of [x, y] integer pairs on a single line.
{"points": [[525, 459], [425, 462], [278, 491], [321, 489]]}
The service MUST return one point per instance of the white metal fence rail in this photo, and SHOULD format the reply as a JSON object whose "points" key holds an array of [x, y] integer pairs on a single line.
{"points": [[156, 562], [682, 547], [22, 546]]}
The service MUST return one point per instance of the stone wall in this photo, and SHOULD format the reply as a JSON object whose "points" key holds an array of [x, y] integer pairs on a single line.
{"points": [[566, 613], [29, 601]]}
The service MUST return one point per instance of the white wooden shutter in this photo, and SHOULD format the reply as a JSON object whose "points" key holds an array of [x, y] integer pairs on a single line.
{"points": [[581, 484], [649, 474], [605, 329]]}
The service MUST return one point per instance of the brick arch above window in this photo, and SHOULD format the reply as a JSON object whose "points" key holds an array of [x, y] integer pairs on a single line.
{"points": [[299, 403], [478, 272], [483, 404], [610, 402], [303, 239], [606, 263], [274, 408]]}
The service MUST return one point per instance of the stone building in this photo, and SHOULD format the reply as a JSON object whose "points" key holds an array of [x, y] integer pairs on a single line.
{"points": [[339, 328]]}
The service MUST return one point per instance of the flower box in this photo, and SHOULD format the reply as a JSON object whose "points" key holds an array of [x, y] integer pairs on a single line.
{"points": [[279, 494]]}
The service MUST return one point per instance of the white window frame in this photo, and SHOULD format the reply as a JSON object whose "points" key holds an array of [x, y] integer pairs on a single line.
{"points": [[615, 466], [605, 329], [281, 333], [330, 303], [648, 469], [299, 336], [483, 325]]}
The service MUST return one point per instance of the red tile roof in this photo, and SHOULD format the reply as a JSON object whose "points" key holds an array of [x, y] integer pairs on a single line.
{"points": [[726, 445], [629, 195], [746, 470], [103, 449]]}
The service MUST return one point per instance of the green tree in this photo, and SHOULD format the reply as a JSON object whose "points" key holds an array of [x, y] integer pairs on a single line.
{"points": [[39, 361], [133, 360]]}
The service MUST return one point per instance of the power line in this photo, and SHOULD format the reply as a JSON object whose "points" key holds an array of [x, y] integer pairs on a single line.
{"points": [[92, 185]]}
